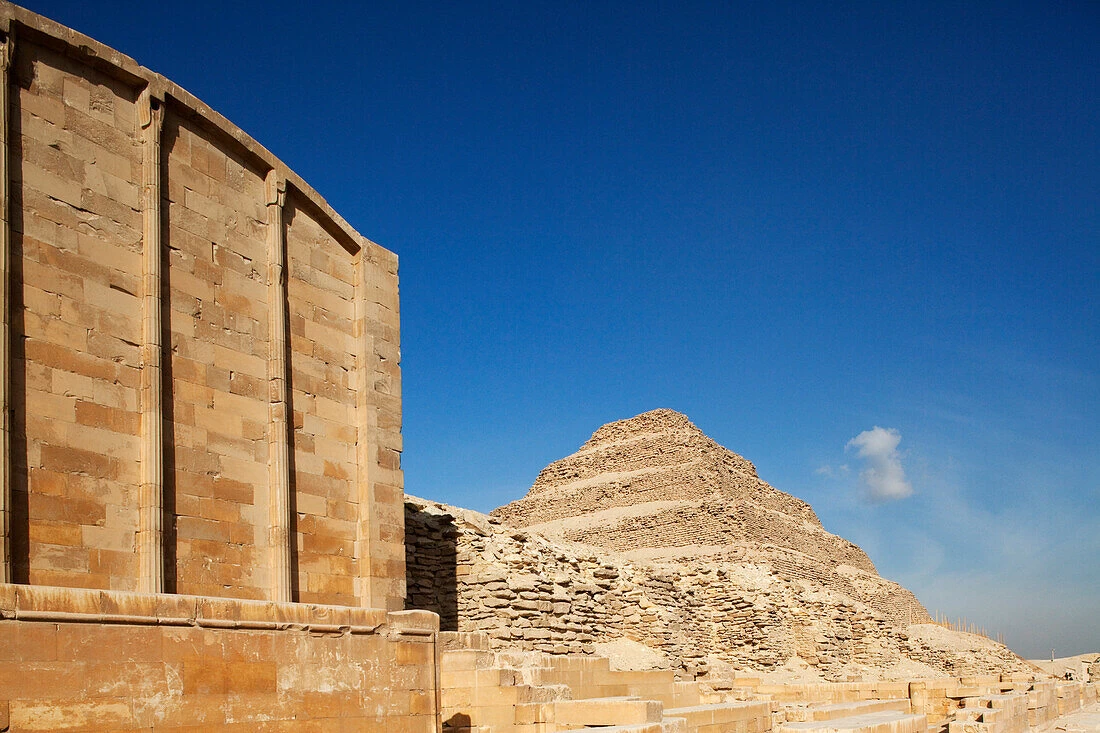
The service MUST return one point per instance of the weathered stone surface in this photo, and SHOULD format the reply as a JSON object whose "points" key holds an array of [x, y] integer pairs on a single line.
{"points": [[76, 659]]}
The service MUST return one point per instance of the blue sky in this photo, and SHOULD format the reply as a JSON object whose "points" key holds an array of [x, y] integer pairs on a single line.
{"points": [[795, 222]]}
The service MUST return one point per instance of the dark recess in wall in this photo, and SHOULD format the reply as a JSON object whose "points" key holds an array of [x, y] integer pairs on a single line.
{"points": [[431, 562]]}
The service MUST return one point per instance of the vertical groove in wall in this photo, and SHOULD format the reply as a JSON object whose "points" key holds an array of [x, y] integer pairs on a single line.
{"points": [[7, 48], [278, 435], [365, 521], [150, 537]]}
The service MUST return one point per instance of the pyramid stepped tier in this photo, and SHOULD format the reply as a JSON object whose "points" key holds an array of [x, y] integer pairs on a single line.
{"points": [[656, 456], [656, 489], [657, 482]]}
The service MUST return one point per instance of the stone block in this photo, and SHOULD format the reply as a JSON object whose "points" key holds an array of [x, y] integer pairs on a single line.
{"points": [[602, 712], [848, 709], [881, 722], [59, 716], [413, 622]]}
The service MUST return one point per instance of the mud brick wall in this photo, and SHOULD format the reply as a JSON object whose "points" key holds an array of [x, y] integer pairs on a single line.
{"points": [[202, 357], [78, 660]]}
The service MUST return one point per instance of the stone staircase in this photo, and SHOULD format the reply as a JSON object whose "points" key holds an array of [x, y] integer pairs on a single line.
{"points": [[485, 691], [861, 716], [508, 692], [992, 714]]}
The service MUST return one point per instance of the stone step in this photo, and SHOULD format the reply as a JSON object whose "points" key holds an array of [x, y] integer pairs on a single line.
{"points": [[756, 716], [846, 709], [675, 725], [640, 728], [882, 722], [598, 711], [668, 725]]}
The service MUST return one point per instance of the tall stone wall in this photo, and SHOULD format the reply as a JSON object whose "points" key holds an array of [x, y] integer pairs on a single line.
{"points": [[199, 356], [201, 512]]}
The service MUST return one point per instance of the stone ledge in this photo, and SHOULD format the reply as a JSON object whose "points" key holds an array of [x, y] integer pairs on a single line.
{"points": [[413, 623], [79, 605]]}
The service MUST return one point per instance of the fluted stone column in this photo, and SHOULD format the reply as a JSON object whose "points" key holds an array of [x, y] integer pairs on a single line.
{"points": [[7, 50], [150, 536], [278, 435], [366, 523]]}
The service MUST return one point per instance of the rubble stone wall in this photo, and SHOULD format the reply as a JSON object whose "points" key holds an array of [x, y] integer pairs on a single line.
{"points": [[532, 593]]}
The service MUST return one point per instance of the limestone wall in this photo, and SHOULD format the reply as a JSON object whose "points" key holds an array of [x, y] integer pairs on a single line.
{"points": [[200, 358], [79, 660]]}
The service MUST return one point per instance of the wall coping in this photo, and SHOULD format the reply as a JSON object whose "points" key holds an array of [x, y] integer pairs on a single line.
{"points": [[81, 605], [117, 64]]}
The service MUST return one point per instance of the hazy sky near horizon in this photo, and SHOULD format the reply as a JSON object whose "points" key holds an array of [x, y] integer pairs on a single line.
{"points": [[857, 243]]}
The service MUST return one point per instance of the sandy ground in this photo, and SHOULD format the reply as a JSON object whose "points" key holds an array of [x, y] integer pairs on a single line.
{"points": [[1086, 720], [628, 655], [1078, 665]]}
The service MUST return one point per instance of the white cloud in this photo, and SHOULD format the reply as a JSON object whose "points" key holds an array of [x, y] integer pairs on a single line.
{"points": [[883, 477], [833, 472]]}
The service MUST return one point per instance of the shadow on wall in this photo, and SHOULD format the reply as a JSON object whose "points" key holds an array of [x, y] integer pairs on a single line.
{"points": [[461, 721], [431, 562]]}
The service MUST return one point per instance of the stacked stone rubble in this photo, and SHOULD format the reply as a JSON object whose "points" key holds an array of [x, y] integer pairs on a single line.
{"points": [[529, 592]]}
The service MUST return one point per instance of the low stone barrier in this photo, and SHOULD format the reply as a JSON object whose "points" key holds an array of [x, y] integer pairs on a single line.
{"points": [[82, 660]]}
